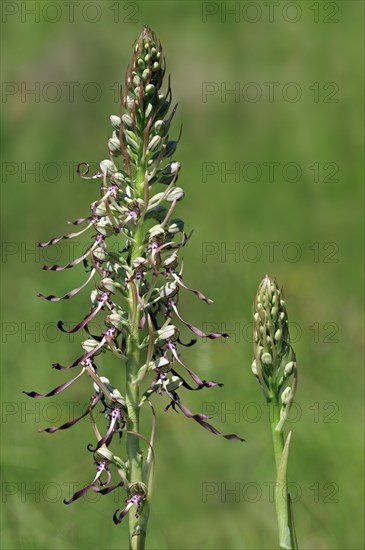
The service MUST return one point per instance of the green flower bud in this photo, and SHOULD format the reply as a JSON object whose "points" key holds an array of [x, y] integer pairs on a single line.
{"points": [[127, 121], [100, 209], [130, 101], [156, 212], [131, 139], [172, 168], [175, 226], [112, 389], [89, 345], [169, 290], [169, 173], [104, 227], [94, 295], [163, 109], [286, 395], [120, 177], [150, 89], [116, 320], [145, 75], [171, 262], [136, 80], [100, 253], [174, 383], [139, 263], [254, 368], [104, 454], [160, 127], [170, 332], [154, 143], [162, 364], [115, 122], [108, 167], [274, 311], [170, 148], [266, 358], [278, 334], [156, 233], [148, 110], [176, 194], [141, 64], [289, 368], [108, 284]]}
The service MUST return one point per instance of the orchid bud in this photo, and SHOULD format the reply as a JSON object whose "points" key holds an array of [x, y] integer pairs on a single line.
{"points": [[175, 226], [154, 143], [170, 332], [160, 127], [170, 148], [127, 121], [174, 383], [120, 177], [115, 122], [104, 454], [105, 227], [150, 89], [176, 194], [285, 396], [90, 344], [108, 284], [171, 261], [169, 290], [100, 253], [114, 146], [162, 364], [116, 320], [108, 167], [289, 368]]}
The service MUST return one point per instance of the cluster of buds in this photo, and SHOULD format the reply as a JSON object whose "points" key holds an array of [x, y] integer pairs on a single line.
{"points": [[137, 288], [274, 363]]}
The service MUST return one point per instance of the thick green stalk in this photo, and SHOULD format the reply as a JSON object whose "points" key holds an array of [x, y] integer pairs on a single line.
{"points": [[132, 397], [142, 524], [137, 529], [286, 536], [277, 436]]}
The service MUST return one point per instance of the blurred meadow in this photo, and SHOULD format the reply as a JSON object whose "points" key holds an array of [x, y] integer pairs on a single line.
{"points": [[271, 101]]}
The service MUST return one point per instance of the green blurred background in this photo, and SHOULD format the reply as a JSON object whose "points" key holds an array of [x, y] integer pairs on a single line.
{"points": [[313, 213]]}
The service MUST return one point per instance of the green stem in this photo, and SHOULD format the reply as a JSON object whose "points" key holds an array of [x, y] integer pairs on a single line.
{"points": [[282, 503], [277, 437], [137, 526], [132, 399]]}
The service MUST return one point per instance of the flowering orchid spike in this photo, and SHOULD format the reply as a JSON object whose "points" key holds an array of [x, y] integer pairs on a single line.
{"points": [[135, 289]]}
